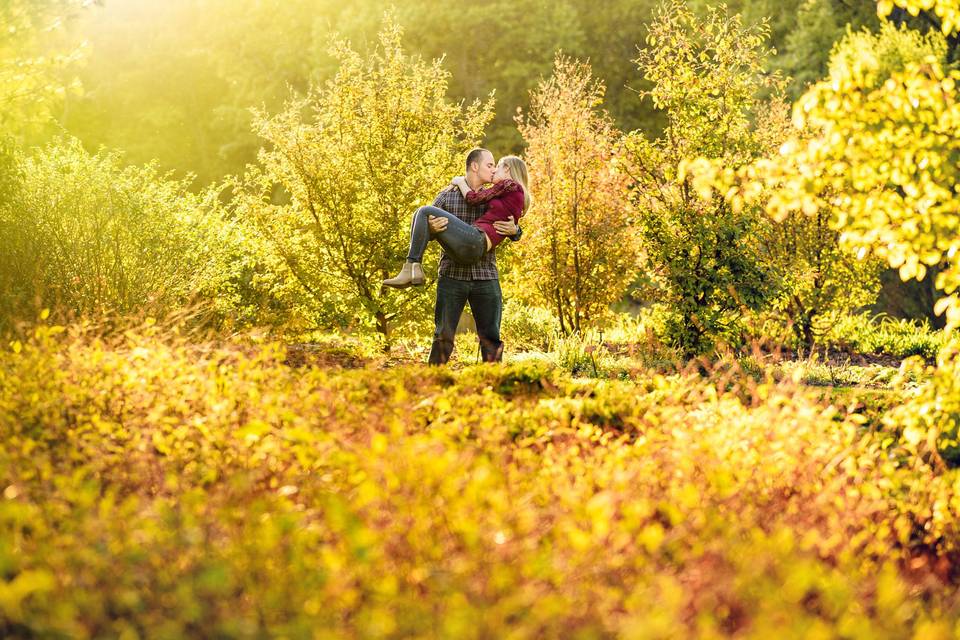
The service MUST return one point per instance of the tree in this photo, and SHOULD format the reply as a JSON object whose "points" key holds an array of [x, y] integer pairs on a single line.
{"points": [[356, 158], [945, 14], [579, 251], [819, 281], [33, 61], [702, 254], [875, 143]]}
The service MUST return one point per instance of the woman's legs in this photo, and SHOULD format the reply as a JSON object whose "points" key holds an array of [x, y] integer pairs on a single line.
{"points": [[464, 243]]}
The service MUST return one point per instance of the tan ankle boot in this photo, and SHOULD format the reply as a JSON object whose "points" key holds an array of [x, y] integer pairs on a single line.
{"points": [[411, 273], [416, 276]]}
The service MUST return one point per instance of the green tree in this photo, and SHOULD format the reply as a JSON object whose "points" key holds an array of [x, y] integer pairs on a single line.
{"points": [[819, 281], [701, 254], [356, 158], [501, 45], [174, 80], [34, 59], [579, 252]]}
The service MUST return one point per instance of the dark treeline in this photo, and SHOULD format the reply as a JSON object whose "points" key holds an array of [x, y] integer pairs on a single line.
{"points": [[174, 80]]}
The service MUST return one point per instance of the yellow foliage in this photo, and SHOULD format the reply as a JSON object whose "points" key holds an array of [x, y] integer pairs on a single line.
{"points": [[946, 10], [412, 500], [873, 147], [579, 251]]}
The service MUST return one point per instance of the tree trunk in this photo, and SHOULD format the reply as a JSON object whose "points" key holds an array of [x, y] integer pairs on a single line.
{"points": [[383, 330]]}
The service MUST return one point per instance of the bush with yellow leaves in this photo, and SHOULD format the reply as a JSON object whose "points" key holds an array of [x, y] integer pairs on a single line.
{"points": [[153, 487]]}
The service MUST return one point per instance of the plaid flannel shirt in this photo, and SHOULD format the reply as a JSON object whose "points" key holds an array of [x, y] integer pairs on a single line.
{"points": [[452, 201]]}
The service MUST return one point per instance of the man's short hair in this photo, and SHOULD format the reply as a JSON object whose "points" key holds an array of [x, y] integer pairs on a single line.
{"points": [[475, 155]]}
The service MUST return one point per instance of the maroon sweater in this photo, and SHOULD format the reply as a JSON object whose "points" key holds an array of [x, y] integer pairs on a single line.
{"points": [[503, 199]]}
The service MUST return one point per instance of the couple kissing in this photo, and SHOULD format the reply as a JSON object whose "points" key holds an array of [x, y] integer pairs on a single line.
{"points": [[469, 220]]}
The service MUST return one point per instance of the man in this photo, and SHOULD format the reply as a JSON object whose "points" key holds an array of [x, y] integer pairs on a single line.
{"points": [[477, 284]]}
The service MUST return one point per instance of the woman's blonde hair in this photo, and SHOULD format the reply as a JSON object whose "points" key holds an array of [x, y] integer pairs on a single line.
{"points": [[518, 171]]}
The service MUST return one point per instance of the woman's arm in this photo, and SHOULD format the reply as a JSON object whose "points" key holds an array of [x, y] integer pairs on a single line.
{"points": [[461, 183], [483, 196], [502, 209]]}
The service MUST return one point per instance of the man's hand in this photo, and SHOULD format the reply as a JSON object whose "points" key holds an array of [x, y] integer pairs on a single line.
{"points": [[437, 223], [506, 228]]}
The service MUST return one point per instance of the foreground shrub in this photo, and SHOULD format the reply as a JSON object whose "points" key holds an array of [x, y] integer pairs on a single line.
{"points": [[159, 488]]}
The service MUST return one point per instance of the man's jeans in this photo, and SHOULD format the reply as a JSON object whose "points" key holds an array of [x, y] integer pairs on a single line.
{"points": [[486, 304]]}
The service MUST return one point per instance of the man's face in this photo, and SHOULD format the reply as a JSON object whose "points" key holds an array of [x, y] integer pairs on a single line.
{"points": [[486, 167]]}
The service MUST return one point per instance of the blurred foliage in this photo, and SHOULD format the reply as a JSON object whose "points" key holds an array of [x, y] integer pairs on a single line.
{"points": [[174, 80], [580, 250], [156, 487], [355, 160], [946, 11], [36, 60]]}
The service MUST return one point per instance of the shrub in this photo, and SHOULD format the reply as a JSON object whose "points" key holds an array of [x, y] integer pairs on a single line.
{"points": [[527, 328], [83, 234], [163, 488]]}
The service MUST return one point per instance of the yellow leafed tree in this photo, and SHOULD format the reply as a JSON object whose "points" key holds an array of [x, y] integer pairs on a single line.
{"points": [[356, 157], [579, 251], [876, 144], [948, 11]]}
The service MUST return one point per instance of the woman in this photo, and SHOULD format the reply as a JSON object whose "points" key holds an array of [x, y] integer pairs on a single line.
{"points": [[465, 243]]}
